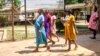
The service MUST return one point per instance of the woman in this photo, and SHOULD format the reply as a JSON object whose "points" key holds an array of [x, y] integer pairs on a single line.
{"points": [[63, 20], [47, 26], [70, 30], [93, 22], [53, 25], [40, 31]]}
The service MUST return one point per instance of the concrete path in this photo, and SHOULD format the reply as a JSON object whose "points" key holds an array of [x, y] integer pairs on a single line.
{"points": [[86, 47]]}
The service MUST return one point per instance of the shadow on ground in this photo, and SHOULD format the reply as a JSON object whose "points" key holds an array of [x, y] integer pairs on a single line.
{"points": [[25, 51]]}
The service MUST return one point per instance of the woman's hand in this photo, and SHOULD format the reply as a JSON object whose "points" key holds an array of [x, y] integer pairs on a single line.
{"points": [[40, 31], [95, 19], [77, 31]]}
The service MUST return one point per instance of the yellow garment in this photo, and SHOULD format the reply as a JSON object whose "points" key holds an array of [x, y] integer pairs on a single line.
{"points": [[70, 33]]}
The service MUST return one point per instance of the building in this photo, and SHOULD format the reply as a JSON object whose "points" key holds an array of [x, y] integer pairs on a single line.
{"points": [[32, 6]]}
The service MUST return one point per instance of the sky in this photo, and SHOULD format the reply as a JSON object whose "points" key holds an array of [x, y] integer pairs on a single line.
{"points": [[37, 4]]}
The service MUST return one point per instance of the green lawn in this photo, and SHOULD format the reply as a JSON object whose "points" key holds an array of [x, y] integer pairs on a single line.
{"points": [[19, 35], [19, 31]]}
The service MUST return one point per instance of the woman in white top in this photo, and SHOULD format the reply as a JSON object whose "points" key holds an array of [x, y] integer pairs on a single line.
{"points": [[63, 20]]}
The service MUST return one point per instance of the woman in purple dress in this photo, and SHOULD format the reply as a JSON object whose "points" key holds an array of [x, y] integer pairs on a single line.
{"points": [[47, 26]]}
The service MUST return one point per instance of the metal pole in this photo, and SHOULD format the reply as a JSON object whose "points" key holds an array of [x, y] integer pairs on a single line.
{"points": [[25, 19], [85, 16], [64, 5], [12, 19]]}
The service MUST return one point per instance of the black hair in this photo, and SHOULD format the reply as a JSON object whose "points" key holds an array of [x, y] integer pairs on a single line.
{"points": [[70, 12], [41, 11], [95, 8], [66, 11]]}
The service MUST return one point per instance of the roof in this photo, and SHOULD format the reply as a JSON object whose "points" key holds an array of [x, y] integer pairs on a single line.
{"points": [[76, 6]]}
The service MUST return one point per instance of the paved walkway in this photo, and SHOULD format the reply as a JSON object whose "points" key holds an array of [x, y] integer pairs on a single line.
{"points": [[86, 47]]}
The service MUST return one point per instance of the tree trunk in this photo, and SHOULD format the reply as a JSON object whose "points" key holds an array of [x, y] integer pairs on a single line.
{"points": [[98, 2]]}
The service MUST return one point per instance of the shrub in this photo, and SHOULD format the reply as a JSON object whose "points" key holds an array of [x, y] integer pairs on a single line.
{"points": [[3, 21], [59, 25]]}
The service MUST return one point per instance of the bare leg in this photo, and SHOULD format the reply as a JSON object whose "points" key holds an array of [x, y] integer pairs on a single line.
{"points": [[51, 41], [56, 36], [65, 43], [75, 44], [48, 48], [94, 33], [69, 44], [36, 50]]}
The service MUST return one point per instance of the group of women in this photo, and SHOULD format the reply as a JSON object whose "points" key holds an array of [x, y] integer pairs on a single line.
{"points": [[45, 27]]}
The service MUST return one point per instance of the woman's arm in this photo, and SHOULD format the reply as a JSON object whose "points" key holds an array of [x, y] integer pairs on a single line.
{"points": [[41, 26], [73, 19], [75, 27], [96, 17], [51, 21]]}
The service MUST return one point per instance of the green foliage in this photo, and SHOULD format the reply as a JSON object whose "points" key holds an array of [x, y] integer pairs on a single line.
{"points": [[1, 2], [73, 1], [59, 25], [17, 3], [80, 1]]}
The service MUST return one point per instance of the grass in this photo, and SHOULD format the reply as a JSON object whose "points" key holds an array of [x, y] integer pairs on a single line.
{"points": [[81, 30], [19, 32], [19, 35]]}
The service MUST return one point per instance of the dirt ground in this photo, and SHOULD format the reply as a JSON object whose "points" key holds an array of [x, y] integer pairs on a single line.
{"points": [[86, 47]]}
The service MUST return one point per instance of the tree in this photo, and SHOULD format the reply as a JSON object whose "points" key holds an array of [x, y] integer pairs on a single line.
{"points": [[98, 2], [80, 1], [17, 3], [1, 3], [73, 1]]}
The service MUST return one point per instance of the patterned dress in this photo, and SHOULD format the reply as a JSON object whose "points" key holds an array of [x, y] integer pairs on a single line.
{"points": [[92, 22], [40, 36]]}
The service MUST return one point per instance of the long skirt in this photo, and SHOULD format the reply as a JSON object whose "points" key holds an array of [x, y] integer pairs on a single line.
{"points": [[40, 36]]}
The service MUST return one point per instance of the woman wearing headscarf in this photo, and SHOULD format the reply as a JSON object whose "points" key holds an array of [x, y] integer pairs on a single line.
{"points": [[40, 31]]}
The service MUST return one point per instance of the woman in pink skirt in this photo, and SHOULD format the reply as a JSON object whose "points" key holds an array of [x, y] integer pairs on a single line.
{"points": [[53, 25], [93, 22]]}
